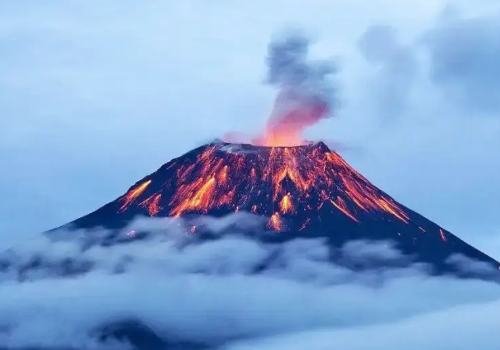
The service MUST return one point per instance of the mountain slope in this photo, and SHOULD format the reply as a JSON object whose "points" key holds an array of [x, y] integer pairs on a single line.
{"points": [[306, 191]]}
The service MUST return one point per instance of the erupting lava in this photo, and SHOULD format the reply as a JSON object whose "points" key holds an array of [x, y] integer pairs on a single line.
{"points": [[303, 192], [133, 195], [278, 182]]}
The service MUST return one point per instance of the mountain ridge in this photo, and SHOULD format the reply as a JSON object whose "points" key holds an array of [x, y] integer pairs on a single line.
{"points": [[305, 191]]}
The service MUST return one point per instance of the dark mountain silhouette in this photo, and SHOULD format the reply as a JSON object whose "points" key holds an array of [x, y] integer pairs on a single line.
{"points": [[306, 191]]}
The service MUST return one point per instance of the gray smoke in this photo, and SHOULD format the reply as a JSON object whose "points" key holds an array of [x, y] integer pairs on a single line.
{"points": [[307, 93], [289, 68]]}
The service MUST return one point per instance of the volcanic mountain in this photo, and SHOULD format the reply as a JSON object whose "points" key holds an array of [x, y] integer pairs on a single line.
{"points": [[305, 191]]}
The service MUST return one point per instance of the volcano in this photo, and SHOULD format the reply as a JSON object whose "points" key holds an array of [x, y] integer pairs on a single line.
{"points": [[305, 191]]}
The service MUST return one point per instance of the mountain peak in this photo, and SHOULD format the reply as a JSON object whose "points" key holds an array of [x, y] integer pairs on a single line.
{"points": [[303, 191]]}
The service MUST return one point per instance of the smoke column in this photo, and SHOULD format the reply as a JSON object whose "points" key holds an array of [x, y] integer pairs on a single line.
{"points": [[306, 91]]}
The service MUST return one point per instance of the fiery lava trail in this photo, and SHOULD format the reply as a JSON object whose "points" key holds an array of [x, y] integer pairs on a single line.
{"points": [[278, 182], [152, 204], [131, 196]]}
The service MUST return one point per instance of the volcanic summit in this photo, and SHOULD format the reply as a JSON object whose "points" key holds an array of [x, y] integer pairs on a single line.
{"points": [[305, 191]]}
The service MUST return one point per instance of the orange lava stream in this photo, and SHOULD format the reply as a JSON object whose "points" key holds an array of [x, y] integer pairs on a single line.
{"points": [[197, 195], [152, 204], [133, 195], [313, 175], [275, 222], [286, 205], [342, 207]]}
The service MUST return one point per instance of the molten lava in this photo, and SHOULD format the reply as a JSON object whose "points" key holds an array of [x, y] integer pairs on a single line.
{"points": [[275, 222], [134, 194], [303, 192], [286, 205], [152, 204], [278, 182]]}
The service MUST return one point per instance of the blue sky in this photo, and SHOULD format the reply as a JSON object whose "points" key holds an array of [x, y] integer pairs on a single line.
{"points": [[94, 96]]}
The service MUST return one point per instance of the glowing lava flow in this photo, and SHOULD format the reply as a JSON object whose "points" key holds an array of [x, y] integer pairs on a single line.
{"points": [[342, 207], [133, 195], [275, 222], [286, 205], [278, 182], [303, 169], [152, 204], [197, 195]]}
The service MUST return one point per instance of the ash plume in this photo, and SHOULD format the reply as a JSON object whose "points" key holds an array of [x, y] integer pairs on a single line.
{"points": [[306, 90]]}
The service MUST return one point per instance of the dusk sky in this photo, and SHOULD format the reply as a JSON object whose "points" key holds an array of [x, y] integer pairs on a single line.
{"points": [[95, 95]]}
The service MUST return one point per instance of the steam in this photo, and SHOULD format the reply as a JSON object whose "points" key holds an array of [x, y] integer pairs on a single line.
{"points": [[306, 90]]}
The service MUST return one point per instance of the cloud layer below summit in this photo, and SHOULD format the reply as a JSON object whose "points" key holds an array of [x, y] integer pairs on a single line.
{"points": [[209, 293]]}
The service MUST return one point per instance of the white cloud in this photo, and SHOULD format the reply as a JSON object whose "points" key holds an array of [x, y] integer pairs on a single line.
{"points": [[462, 328], [210, 292]]}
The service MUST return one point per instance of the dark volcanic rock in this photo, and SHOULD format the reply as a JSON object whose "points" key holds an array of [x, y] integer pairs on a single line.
{"points": [[305, 191]]}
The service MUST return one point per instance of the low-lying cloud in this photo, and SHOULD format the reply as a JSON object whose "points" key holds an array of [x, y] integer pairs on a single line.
{"points": [[228, 292]]}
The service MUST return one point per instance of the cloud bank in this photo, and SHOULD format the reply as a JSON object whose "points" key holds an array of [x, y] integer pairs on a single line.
{"points": [[227, 293]]}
